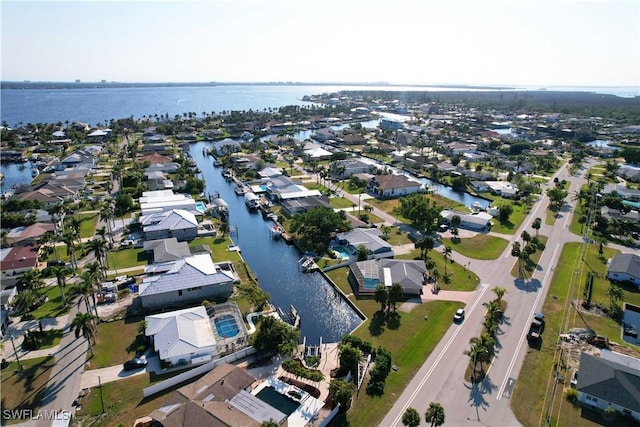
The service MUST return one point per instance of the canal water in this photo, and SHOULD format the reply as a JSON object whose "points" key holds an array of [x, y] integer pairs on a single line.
{"points": [[323, 312]]}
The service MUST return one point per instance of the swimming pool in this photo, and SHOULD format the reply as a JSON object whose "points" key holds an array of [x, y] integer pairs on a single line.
{"points": [[279, 401], [226, 326], [201, 207], [341, 251], [371, 283]]}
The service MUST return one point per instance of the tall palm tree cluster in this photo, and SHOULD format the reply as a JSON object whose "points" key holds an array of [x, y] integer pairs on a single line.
{"points": [[482, 348]]}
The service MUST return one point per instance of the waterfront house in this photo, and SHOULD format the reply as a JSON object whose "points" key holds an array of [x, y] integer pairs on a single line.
{"points": [[387, 123], [629, 172], [345, 168], [79, 158], [166, 200], [476, 221], [15, 261], [169, 167], [324, 134], [284, 188], [154, 158], [156, 180], [316, 152], [183, 336], [28, 235], [392, 185], [365, 276], [610, 381], [49, 193], [186, 281], [625, 268], [164, 250], [295, 206], [479, 186], [502, 188], [177, 223], [367, 237], [209, 401], [99, 135]]}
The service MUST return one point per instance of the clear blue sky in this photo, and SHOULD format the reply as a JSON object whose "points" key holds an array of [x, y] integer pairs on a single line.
{"points": [[535, 42]]}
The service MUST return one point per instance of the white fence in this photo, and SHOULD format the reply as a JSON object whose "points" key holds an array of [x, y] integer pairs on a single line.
{"points": [[157, 388]]}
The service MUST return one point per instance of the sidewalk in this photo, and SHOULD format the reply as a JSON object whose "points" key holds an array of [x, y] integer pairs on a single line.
{"points": [[18, 329]]}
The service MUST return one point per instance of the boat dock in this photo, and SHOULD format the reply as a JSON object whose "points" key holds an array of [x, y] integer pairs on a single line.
{"points": [[308, 264]]}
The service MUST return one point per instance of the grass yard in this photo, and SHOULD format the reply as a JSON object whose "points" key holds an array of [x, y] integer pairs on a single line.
{"points": [[339, 277], [527, 401], [88, 223], [127, 258], [398, 237], [53, 306], [218, 246], [481, 246], [24, 390], [116, 342], [461, 278], [411, 339], [515, 219], [341, 202], [123, 401]]}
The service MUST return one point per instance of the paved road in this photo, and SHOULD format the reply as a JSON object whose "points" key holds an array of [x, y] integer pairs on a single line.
{"points": [[441, 378]]}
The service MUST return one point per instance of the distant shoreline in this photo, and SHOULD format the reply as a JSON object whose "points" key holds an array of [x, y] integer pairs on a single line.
{"points": [[100, 85]]}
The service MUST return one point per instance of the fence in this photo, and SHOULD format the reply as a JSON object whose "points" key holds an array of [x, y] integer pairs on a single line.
{"points": [[157, 388], [329, 418]]}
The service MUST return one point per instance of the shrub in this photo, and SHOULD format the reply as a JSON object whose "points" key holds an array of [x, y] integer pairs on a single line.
{"points": [[571, 394]]}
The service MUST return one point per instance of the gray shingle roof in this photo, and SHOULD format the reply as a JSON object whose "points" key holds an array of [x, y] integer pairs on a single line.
{"points": [[609, 381], [625, 263]]}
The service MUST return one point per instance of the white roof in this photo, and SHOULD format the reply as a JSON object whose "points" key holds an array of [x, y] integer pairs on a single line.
{"points": [[317, 152], [181, 332]]}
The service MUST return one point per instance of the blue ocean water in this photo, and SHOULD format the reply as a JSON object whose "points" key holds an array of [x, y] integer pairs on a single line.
{"points": [[99, 105]]}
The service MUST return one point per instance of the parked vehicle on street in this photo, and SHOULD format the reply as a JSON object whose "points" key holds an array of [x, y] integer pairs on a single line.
{"points": [[537, 325], [459, 316]]}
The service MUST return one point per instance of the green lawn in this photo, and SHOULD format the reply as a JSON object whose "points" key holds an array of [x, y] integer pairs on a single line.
{"points": [[567, 282], [339, 277], [53, 306], [218, 247], [481, 246], [116, 342], [88, 223], [398, 237], [25, 390], [461, 278], [340, 202], [515, 219], [127, 257], [411, 339]]}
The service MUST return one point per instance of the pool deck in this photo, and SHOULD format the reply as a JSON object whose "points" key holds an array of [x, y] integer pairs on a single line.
{"points": [[309, 406]]}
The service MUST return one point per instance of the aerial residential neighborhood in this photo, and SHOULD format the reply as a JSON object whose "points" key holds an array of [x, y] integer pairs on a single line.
{"points": [[222, 271]]}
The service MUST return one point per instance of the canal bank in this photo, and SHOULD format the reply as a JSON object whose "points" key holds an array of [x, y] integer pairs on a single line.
{"points": [[324, 313]]}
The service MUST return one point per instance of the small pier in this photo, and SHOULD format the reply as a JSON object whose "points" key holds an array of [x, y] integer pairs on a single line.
{"points": [[292, 317], [307, 264]]}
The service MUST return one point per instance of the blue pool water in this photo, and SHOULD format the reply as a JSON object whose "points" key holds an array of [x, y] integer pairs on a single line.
{"points": [[226, 326], [279, 401], [201, 207], [344, 253], [370, 283]]}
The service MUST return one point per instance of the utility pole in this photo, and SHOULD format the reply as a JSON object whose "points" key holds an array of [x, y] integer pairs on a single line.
{"points": [[15, 352], [100, 388]]}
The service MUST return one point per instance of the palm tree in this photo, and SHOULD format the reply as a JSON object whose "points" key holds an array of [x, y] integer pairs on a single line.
{"points": [[434, 414], [537, 223], [25, 300], [499, 291], [96, 270], [68, 239], [381, 296], [517, 252], [31, 280], [446, 253], [395, 295], [106, 215], [473, 353], [494, 309], [485, 345], [87, 287], [99, 248], [82, 324], [411, 418], [61, 273]]}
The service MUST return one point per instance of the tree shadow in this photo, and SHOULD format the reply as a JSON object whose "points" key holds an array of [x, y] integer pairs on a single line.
{"points": [[376, 325], [477, 395], [532, 285], [393, 320]]}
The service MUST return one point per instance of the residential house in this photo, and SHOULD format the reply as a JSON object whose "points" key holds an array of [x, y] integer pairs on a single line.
{"points": [[170, 167], [48, 193], [625, 268], [183, 336], [387, 123], [211, 401], [476, 221], [617, 215], [284, 188], [324, 134], [29, 235], [186, 281], [503, 188], [365, 276], [367, 237], [392, 185], [629, 172], [79, 158], [154, 158], [15, 261], [629, 194], [99, 135], [353, 139], [177, 223], [165, 250], [157, 181], [295, 206], [610, 381], [165, 200], [345, 168], [316, 152]]}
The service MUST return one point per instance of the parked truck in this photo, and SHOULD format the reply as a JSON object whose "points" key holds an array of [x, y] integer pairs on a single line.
{"points": [[537, 324]]}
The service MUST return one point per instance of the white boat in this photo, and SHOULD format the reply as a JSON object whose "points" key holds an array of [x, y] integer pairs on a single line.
{"points": [[251, 200], [240, 189], [276, 231], [476, 206]]}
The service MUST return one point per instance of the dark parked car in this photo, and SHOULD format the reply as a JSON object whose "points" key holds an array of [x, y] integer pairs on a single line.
{"points": [[135, 363], [56, 263]]}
